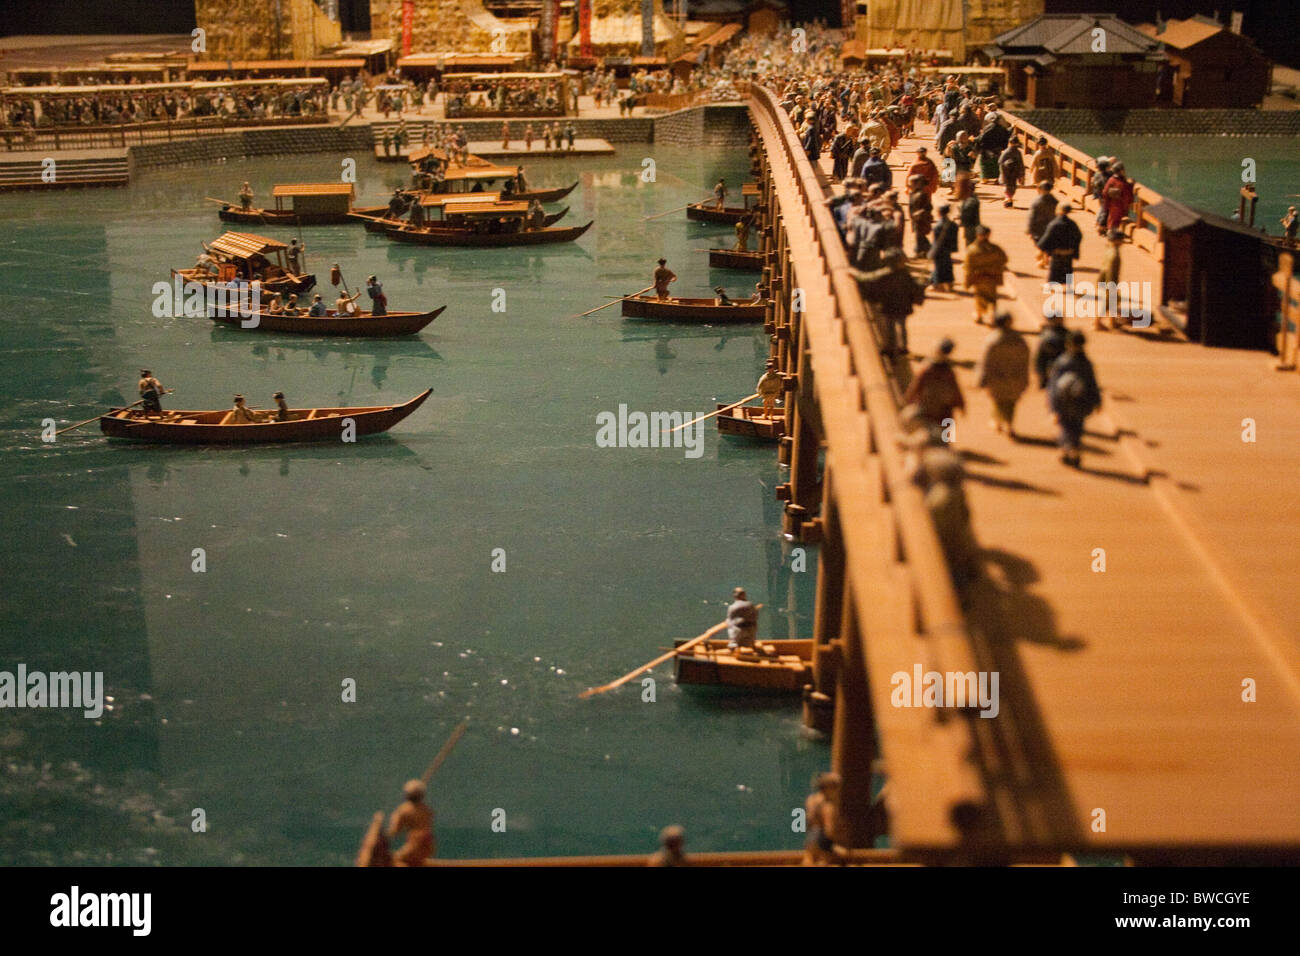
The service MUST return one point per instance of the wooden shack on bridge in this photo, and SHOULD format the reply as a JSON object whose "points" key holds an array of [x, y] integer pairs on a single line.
{"points": [[1215, 277]]}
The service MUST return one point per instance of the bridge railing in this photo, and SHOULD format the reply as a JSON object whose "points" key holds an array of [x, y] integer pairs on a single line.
{"points": [[1077, 169], [896, 571]]}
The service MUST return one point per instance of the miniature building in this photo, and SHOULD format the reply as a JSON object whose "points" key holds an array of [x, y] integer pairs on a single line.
{"points": [[961, 27], [1214, 281], [1211, 67], [254, 30], [1084, 61], [764, 17], [462, 26]]}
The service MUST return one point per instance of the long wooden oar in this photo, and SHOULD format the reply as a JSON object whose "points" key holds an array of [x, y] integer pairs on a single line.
{"points": [[725, 408], [604, 688], [445, 752], [671, 211], [617, 299], [97, 417], [222, 201]]}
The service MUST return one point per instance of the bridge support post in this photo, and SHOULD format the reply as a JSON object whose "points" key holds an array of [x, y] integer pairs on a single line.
{"points": [[819, 698], [853, 746]]}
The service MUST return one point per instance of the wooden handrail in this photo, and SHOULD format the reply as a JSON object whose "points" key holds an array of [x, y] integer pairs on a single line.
{"points": [[889, 536], [1081, 162]]}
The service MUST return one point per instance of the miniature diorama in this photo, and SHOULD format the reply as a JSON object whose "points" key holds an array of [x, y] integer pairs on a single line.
{"points": [[993, 564]]}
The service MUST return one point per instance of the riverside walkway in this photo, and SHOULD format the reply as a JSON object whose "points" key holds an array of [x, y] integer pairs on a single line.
{"points": [[1123, 726]]}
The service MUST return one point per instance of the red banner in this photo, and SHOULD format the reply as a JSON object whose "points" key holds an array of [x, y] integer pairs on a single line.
{"points": [[584, 28], [408, 25]]}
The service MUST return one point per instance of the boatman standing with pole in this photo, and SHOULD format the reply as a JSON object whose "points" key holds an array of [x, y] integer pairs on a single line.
{"points": [[742, 621], [662, 276], [151, 391], [414, 818], [720, 194], [769, 387]]}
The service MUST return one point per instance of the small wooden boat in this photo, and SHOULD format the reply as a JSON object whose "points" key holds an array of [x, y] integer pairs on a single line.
{"points": [[360, 324], [693, 310], [748, 421], [213, 427], [709, 212], [782, 667], [443, 236], [746, 261], [311, 204], [488, 177], [243, 257]]}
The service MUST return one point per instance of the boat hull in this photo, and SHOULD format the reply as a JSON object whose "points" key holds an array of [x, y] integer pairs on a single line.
{"points": [[711, 664], [462, 237], [748, 422], [204, 427], [363, 325], [732, 259], [546, 195], [272, 217], [692, 310]]}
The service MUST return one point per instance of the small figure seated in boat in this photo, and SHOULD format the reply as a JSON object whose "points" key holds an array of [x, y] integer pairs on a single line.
{"points": [[276, 307], [241, 414], [282, 412], [720, 297], [292, 307], [758, 293], [346, 305], [536, 215], [317, 306], [206, 264]]}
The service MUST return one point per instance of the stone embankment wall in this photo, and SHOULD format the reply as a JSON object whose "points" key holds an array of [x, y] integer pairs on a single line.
{"points": [[1171, 122], [273, 141]]}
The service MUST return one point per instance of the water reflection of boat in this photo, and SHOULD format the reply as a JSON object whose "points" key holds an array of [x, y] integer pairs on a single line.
{"points": [[385, 350]]}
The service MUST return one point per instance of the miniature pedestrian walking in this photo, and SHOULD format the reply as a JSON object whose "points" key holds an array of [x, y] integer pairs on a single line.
{"points": [[985, 263], [1004, 372], [1073, 394], [934, 391], [1061, 240], [942, 249]]}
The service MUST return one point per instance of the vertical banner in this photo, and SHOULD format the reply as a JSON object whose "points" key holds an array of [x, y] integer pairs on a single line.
{"points": [[647, 27], [408, 25], [584, 28]]}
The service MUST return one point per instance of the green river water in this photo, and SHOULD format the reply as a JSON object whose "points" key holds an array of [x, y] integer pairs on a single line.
{"points": [[373, 561]]}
